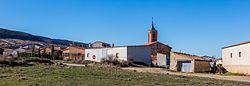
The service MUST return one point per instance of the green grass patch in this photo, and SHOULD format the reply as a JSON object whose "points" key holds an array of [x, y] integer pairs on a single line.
{"points": [[233, 74], [52, 75]]}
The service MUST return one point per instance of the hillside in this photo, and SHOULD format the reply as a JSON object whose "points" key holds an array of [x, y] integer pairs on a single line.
{"points": [[10, 34]]}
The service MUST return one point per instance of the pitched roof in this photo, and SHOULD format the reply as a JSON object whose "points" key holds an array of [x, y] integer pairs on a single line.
{"points": [[74, 47], [148, 44], [242, 43], [195, 57], [119, 46]]}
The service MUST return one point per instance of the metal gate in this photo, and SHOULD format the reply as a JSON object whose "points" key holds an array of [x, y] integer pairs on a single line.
{"points": [[161, 59], [184, 66]]}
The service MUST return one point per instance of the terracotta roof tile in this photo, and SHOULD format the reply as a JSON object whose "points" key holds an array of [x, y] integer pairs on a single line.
{"points": [[195, 57]]}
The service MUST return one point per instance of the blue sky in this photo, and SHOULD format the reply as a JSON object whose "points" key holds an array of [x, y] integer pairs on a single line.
{"points": [[200, 27]]}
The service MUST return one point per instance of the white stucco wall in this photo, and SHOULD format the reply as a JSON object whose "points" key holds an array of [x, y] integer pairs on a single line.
{"points": [[105, 52], [140, 54], [98, 52], [120, 51], [237, 64], [236, 60]]}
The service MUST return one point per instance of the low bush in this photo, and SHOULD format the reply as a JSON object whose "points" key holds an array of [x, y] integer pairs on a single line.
{"points": [[87, 62], [114, 61], [39, 60]]}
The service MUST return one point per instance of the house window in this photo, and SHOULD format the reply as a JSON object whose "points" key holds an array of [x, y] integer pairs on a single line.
{"points": [[239, 54], [87, 54], [116, 55], [231, 55]]}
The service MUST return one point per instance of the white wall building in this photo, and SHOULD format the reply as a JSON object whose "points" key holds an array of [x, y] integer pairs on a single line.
{"points": [[236, 58], [138, 54], [152, 53]]}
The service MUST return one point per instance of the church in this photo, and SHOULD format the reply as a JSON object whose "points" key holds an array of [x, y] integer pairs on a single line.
{"points": [[157, 47], [153, 53]]}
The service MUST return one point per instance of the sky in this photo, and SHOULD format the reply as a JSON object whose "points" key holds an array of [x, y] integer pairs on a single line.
{"points": [[200, 27]]}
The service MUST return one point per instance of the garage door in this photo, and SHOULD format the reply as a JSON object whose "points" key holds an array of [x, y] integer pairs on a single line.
{"points": [[184, 66], [161, 59]]}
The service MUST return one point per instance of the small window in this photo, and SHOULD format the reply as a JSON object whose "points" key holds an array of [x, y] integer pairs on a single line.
{"points": [[239, 54], [231, 55], [87, 54]]}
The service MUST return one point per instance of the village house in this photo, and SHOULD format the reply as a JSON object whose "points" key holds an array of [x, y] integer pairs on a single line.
{"points": [[7, 52], [29, 50], [37, 50], [18, 52], [183, 62], [46, 50], [157, 51], [236, 58], [153, 53], [52, 52], [74, 52], [137, 54]]}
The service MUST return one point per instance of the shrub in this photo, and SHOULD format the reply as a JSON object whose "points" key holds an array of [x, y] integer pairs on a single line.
{"points": [[87, 62], [113, 60], [39, 60]]}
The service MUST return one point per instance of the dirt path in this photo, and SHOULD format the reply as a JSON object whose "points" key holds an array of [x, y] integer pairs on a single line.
{"points": [[76, 65], [162, 71]]}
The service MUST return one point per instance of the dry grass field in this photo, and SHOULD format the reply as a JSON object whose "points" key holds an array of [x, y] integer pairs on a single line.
{"points": [[53, 75]]}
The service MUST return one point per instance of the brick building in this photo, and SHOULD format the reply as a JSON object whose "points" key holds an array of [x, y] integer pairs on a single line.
{"points": [[74, 53], [157, 47]]}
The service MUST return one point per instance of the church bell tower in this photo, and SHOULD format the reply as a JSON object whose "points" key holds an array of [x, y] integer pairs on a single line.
{"points": [[152, 34]]}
